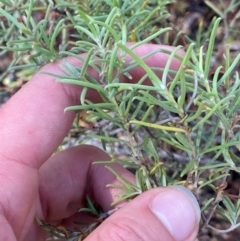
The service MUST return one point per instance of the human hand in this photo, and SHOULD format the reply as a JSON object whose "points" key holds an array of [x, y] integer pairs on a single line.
{"points": [[36, 183]]}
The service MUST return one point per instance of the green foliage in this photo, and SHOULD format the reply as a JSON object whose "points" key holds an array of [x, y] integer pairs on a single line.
{"points": [[184, 130]]}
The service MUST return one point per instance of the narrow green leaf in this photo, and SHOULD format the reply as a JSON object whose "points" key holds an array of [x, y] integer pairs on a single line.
{"points": [[215, 81], [81, 83], [187, 168], [94, 28], [29, 12], [182, 96], [87, 32], [125, 182], [151, 37], [206, 183], [218, 147], [168, 64], [91, 106], [153, 77], [230, 69], [145, 116], [112, 65], [208, 203], [111, 30], [212, 111], [183, 140], [156, 126], [107, 138], [11, 18], [215, 8], [58, 28], [184, 63], [210, 48]]}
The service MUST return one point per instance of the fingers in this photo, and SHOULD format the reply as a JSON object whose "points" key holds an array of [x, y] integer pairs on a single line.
{"points": [[164, 214], [161, 214], [33, 123], [68, 176]]}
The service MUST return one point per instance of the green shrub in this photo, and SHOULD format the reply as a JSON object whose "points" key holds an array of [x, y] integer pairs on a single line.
{"points": [[181, 129]]}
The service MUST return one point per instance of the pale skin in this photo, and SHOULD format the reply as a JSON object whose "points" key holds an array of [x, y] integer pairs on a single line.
{"points": [[36, 183]]}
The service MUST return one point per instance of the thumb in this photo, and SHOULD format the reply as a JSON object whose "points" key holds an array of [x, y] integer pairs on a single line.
{"points": [[161, 214]]}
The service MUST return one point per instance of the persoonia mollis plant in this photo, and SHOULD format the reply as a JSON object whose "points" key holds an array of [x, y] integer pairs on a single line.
{"points": [[186, 111]]}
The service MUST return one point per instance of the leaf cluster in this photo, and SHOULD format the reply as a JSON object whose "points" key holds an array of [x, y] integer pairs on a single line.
{"points": [[181, 129]]}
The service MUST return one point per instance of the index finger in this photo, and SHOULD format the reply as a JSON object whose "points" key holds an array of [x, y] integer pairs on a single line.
{"points": [[33, 122]]}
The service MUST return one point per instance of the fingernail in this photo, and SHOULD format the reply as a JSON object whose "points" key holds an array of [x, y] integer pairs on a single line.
{"points": [[177, 208]]}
